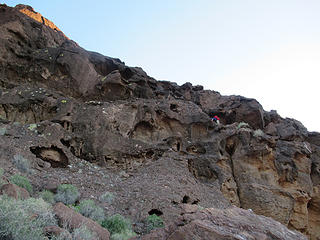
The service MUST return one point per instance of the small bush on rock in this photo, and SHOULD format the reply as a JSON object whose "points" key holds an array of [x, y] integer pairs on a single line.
{"points": [[67, 193], [243, 125], [24, 219], [83, 233], [3, 130], [258, 133], [154, 221], [21, 181], [118, 226], [89, 209], [123, 236], [21, 163], [1, 174], [107, 197], [41, 209], [47, 196]]}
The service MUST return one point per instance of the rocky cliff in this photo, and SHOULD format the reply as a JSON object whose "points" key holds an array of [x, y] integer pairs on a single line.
{"points": [[83, 118]]}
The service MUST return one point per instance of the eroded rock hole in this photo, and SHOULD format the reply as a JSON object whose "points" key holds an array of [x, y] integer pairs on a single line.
{"points": [[65, 142], [196, 149], [54, 155], [195, 201], [156, 212], [143, 131], [309, 205], [150, 154], [174, 202], [230, 149], [231, 145], [178, 146], [186, 199], [174, 107]]}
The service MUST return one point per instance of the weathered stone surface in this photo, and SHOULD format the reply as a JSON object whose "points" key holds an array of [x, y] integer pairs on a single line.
{"points": [[29, 11], [14, 191], [232, 108], [231, 223], [75, 220], [65, 109]]}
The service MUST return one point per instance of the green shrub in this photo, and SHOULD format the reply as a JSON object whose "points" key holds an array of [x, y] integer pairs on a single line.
{"points": [[21, 181], [89, 209], [75, 207], [83, 233], [47, 196], [258, 133], [67, 193], [116, 224], [32, 127], [21, 163], [41, 209], [20, 220], [3, 130], [123, 236], [154, 221], [107, 197], [1, 174], [243, 125]]}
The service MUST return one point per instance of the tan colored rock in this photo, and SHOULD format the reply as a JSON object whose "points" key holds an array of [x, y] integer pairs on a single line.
{"points": [[314, 213], [14, 191], [189, 208], [30, 12], [75, 220]]}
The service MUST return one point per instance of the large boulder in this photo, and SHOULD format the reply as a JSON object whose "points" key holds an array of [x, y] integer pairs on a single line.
{"points": [[14, 191], [72, 219], [231, 223], [232, 109]]}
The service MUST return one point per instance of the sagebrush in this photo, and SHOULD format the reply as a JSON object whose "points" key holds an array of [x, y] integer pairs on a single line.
{"points": [[1, 174], [21, 181], [67, 193], [107, 197], [47, 196], [243, 125], [154, 221], [117, 224], [21, 163], [89, 209], [24, 219], [123, 236]]}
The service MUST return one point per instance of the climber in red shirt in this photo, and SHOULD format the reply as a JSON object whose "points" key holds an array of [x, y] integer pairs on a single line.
{"points": [[216, 119]]}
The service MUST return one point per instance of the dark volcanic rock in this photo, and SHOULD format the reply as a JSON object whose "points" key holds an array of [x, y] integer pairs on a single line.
{"points": [[74, 116]]}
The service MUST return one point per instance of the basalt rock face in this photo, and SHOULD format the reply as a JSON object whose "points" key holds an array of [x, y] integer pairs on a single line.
{"points": [[83, 118]]}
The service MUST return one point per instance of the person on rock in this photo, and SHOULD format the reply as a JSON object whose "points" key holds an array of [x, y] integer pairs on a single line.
{"points": [[216, 119]]}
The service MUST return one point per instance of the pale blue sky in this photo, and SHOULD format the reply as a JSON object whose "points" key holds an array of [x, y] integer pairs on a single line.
{"points": [[268, 49]]}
